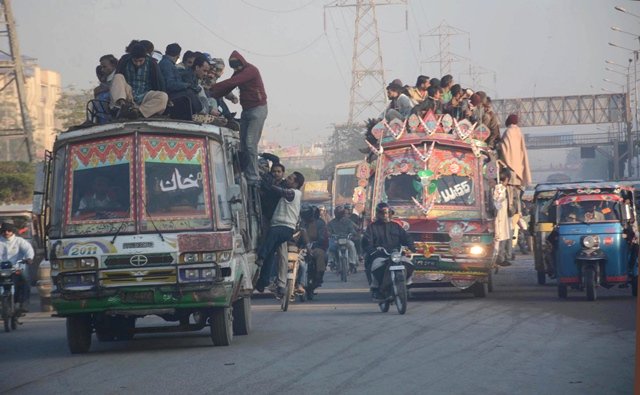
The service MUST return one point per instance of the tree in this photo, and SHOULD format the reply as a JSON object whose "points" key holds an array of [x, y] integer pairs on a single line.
{"points": [[16, 182], [344, 145], [72, 105]]}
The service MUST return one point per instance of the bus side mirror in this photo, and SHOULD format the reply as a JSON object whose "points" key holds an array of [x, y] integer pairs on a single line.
{"points": [[38, 189], [626, 212]]}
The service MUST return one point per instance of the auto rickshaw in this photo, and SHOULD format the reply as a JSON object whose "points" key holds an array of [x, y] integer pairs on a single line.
{"points": [[592, 238], [541, 224]]}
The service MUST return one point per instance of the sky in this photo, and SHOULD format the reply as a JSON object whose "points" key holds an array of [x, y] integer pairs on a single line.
{"points": [[519, 48]]}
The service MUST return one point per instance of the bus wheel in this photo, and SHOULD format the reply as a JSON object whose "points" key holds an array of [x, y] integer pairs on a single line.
{"points": [[79, 333], [221, 323], [242, 316]]}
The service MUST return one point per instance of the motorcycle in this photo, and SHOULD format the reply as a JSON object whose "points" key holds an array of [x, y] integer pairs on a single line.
{"points": [[342, 265], [9, 274], [295, 258], [393, 287], [310, 281]]}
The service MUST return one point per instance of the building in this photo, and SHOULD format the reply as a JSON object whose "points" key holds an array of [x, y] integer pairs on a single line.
{"points": [[42, 92], [296, 157]]}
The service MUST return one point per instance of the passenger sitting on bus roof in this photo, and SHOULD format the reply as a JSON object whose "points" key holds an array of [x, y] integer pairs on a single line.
{"points": [[197, 72], [182, 94], [399, 105], [446, 82], [432, 102], [187, 60], [454, 107], [107, 68], [137, 87], [419, 92], [148, 46]]}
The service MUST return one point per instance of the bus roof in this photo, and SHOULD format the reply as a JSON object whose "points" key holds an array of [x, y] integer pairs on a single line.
{"points": [[162, 126]]}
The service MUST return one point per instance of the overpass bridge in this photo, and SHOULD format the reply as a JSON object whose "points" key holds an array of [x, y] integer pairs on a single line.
{"points": [[577, 110]]}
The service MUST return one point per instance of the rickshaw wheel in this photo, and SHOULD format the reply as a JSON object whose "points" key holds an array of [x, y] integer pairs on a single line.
{"points": [[562, 291], [542, 277], [590, 283]]}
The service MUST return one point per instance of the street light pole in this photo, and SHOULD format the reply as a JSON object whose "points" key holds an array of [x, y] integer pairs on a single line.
{"points": [[630, 142]]}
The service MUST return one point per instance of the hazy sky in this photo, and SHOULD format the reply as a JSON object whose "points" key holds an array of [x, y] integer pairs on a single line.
{"points": [[532, 47]]}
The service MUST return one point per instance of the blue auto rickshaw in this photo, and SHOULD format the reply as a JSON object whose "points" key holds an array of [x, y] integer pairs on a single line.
{"points": [[593, 239]]}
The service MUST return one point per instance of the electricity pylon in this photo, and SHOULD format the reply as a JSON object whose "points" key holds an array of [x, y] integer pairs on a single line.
{"points": [[13, 70]]}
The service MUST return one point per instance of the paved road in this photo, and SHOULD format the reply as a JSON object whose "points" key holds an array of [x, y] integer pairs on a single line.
{"points": [[521, 339]]}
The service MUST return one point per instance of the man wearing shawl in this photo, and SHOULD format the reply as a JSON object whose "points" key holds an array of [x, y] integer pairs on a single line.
{"points": [[513, 152]]}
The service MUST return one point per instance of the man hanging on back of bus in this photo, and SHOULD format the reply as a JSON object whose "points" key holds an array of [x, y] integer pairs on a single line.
{"points": [[283, 225]]}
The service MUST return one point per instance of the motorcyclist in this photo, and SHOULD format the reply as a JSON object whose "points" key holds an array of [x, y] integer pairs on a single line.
{"points": [[386, 234], [341, 226], [14, 248], [315, 237], [357, 221]]}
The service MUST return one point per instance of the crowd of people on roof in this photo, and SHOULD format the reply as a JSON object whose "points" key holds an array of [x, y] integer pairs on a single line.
{"points": [[144, 83], [442, 96]]}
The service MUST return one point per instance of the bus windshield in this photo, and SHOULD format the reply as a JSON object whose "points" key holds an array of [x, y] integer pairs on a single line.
{"points": [[116, 187]]}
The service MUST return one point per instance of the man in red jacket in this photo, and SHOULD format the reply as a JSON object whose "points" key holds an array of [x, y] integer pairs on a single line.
{"points": [[253, 100]]}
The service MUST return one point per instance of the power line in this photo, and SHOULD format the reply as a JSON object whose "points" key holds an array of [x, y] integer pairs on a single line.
{"points": [[278, 11], [315, 40], [335, 58]]}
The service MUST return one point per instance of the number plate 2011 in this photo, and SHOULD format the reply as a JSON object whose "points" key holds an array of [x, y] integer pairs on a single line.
{"points": [[138, 297], [396, 267]]}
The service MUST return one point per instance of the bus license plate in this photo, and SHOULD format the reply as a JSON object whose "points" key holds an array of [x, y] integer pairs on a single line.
{"points": [[138, 297]]}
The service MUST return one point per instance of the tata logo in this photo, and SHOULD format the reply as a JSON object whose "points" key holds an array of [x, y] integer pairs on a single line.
{"points": [[138, 260]]}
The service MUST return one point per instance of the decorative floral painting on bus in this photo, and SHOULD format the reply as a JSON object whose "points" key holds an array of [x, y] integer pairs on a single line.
{"points": [[100, 184], [175, 178]]}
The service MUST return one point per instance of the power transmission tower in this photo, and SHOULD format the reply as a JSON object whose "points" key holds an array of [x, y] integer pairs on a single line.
{"points": [[445, 57], [367, 71], [12, 68]]}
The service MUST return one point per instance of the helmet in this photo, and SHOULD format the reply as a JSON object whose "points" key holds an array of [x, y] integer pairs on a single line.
{"points": [[307, 211]]}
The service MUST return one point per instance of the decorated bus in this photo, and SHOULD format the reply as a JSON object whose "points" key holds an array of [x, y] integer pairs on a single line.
{"points": [[437, 175], [149, 218]]}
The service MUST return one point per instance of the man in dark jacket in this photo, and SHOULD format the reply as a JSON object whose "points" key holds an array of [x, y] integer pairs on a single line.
{"points": [[137, 87], [382, 233], [182, 94], [253, 100]]}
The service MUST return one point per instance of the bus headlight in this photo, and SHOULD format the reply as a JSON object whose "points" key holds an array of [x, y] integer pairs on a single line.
{"points": [[189, 258], [477, 250], [209, 257]]}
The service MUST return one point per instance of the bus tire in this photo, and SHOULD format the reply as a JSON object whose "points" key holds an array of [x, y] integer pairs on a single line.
{"points": [[221, 325]]}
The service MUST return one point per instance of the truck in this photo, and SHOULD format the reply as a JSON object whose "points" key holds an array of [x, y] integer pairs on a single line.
{"points": [[149, 217]]}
